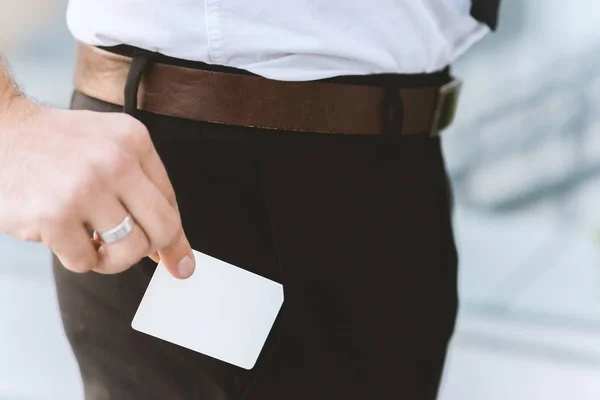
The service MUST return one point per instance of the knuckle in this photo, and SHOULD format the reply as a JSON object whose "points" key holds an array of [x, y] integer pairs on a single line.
{"points": [[117, 162], [136, 134], [52, 218], [29, 235], [86, 186], [80, 264], [170, 194], [27, 229], [118, 264], [51, 235], [71, 267], [78, 257]]}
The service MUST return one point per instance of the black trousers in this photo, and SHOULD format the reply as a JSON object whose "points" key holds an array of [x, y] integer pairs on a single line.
{"points": [[356, 228]]}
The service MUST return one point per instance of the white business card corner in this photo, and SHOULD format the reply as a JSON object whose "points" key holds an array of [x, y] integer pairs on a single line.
{"points": [[250, 366]]}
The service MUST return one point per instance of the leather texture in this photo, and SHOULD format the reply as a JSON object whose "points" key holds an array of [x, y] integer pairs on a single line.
{"points": [[254, 101]]}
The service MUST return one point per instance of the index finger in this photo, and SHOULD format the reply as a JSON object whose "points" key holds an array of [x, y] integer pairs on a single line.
{"points": [[154, 169]]}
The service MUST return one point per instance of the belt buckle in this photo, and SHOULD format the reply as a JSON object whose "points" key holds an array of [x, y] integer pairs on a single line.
{"points": [[445, 109]]}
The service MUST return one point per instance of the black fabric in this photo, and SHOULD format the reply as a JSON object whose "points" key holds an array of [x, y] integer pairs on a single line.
{"points": [[360, 238], [357, 229], [486, 11]]}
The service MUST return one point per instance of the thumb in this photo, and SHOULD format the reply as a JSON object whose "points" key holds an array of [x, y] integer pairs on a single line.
{"points": [[178, 257]]}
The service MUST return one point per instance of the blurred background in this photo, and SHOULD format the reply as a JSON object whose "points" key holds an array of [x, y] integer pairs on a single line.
{"points": [[524, 157]]}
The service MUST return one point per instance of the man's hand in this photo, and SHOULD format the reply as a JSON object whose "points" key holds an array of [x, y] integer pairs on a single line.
{"points": [[65, 173]]}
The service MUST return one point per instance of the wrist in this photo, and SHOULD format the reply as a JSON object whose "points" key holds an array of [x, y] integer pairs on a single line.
{"points": [[8, 94], [14, 107], [13, 103]]}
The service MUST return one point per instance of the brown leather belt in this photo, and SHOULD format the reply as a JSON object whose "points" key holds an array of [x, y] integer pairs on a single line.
{"points": [[247, 100]]}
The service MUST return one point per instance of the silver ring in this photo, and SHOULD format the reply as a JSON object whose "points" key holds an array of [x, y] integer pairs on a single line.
{"points": [[118, 232]]}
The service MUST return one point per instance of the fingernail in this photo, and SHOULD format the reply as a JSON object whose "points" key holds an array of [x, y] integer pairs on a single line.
{"points": [[186, 267]]}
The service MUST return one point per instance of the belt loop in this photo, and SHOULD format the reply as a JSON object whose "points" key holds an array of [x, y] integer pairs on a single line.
{"points": [[139, 64]]}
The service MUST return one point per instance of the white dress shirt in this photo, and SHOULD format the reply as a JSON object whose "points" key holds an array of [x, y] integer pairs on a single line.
{"points": [[287, 39]]}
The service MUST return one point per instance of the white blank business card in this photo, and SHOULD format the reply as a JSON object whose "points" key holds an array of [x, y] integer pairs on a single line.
{"points": [[222, 311]]}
